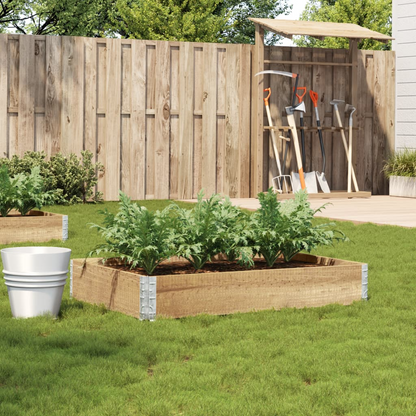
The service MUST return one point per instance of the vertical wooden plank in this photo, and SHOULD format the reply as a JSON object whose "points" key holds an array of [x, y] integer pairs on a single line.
{"points": [[125, 140], [13, 95], [101, 110], [257, 140], [162, 116], [26, 120], [209, 120], [174, 160], [339, 158], [53, 92], [197, 123], [232, 119], [113, 121], [4, 138], [72, 120], [90, 107], [150, 120], [244, 125], [40, 81], [221, 95], [138, 121], [379, 127]]}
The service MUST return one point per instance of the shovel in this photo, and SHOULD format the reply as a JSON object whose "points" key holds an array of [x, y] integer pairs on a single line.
{"points": [[344, 140], [310, 177], [320, 176]]}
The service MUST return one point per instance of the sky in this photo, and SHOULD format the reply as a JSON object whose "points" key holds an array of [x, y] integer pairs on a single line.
{"points": [[298, 7]]}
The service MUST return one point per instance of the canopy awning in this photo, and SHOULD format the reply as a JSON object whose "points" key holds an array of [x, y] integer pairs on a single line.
{"points": [[319, 30]]}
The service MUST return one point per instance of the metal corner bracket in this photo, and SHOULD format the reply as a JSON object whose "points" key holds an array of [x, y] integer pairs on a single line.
{"points": [[147, 298]]}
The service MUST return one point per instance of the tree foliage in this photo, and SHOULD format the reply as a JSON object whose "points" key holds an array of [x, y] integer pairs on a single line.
{"points": [[373, 14], [180, 20]]}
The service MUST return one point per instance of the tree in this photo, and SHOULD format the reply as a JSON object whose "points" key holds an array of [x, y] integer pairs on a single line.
{"points": [[182, 20], [372, 14], [59, 17]]}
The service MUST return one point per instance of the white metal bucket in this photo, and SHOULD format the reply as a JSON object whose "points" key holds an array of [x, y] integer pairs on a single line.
{"points": [[35, 279]]}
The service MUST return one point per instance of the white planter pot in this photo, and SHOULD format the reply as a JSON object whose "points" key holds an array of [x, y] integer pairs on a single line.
{"points": [[35, 279], [402, 186]]}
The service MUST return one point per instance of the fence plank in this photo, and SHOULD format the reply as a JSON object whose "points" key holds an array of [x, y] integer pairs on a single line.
{"points": [[113, 121], [162, 119], [221, 95], [244, 125], [72, 119], [26, 119], [4, 143], [138, 121], [90, 109], [209, 118], [53, 102]]}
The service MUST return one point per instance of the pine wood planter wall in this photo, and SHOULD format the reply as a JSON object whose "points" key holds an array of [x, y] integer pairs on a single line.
{"points": [[402, 186], [36, 226], [176, 296]]}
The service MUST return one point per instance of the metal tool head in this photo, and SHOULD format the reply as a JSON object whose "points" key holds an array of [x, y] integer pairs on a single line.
{"points": [[299, 107], [336, 102], [349, 107], [284, 73]]}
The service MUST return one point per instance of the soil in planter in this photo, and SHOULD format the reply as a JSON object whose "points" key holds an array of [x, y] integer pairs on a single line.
{"points": [[181, 267]]}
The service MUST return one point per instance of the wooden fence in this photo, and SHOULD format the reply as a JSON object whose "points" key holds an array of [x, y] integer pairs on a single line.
{"points": [[167, 118]]}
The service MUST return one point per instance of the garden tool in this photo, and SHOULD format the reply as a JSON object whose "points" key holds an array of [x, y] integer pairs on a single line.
{"points": [[291, 121], [320, 176], [344, 140], [281, 180], [349, 107], [310, 177]]}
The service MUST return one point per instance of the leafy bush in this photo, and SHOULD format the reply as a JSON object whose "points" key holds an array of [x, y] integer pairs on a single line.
{"points": [[286, 229], [401, 164], [71, 179], [22, 192], [136, 235], [213, 226]]}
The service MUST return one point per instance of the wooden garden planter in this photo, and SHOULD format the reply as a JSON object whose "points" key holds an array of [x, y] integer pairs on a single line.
{"points": [[37, 226], [402, 186], [331, 281]]}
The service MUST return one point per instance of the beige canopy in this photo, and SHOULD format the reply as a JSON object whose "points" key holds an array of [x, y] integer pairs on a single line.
{"points": [[319, 30]]}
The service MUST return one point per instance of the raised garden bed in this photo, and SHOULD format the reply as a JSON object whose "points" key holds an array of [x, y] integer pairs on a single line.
{"points": [[316, 281], [36, 226]]}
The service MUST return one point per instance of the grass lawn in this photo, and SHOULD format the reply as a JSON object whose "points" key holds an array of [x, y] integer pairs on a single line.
{"points": [[333, 360]]}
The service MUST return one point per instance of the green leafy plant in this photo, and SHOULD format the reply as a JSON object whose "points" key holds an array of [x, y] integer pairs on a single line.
{"points": [[71, 179], [401, 164], [22, 192], [197, 234], [136, 235], [286, 229], [7, 192]]}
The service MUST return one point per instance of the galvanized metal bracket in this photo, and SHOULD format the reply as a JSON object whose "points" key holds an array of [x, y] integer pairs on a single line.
{"points": [[64, 227], [147, 298], [364, 282], [70, 277]]}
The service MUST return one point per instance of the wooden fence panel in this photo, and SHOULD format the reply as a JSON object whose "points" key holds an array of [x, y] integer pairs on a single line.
{"points": [[169, 118]]}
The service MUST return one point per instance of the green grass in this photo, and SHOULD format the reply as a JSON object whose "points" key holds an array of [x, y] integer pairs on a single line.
{"points": [[334, 360]]}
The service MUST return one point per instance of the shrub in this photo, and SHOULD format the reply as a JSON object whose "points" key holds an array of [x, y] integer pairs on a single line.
{"points": [[136, 235], [22, 192], [401, 164], [71, 179], [286, 229]]}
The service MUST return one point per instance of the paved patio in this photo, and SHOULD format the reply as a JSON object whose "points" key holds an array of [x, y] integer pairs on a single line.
{"points": [[377, 209]]}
